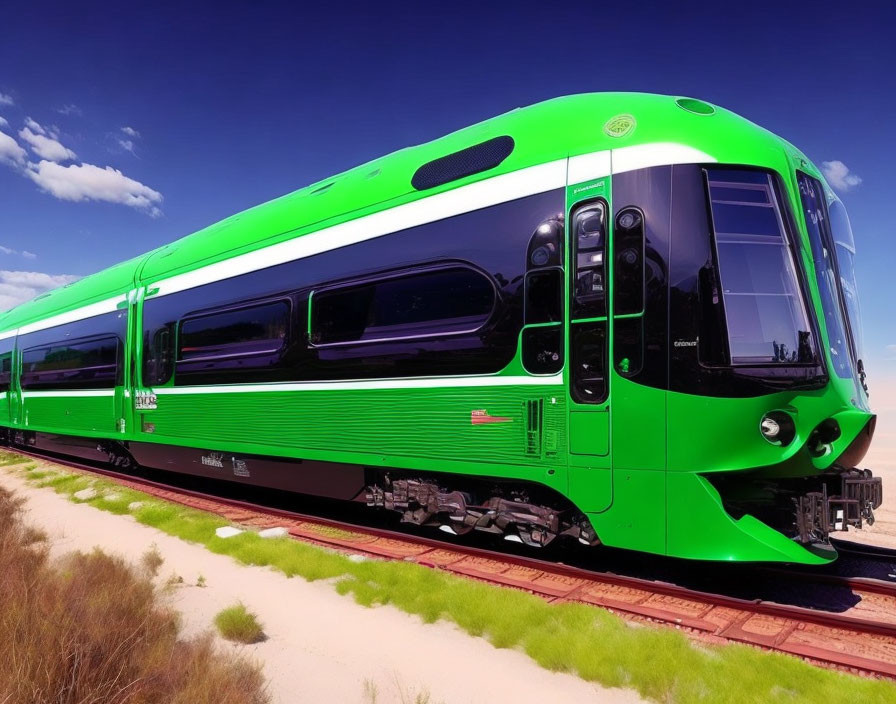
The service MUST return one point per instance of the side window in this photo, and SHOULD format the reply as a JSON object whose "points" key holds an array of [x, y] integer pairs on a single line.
{"points": [[158, 348], [6, 349], [219, 343], [823, 255], [442, 301], [80, 364], [542, 337]]}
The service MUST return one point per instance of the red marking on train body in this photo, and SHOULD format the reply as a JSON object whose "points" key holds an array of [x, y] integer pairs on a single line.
{"points": [[481, 417]]}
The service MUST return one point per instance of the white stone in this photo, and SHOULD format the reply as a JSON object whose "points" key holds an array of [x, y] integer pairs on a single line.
{"points": [[227, 532], [111, 497], [85, 494], [357, 558], [278, 532], [135, 505]]}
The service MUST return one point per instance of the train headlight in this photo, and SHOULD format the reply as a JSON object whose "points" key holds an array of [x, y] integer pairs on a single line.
{"points": [[823, 436], [778, 428]]}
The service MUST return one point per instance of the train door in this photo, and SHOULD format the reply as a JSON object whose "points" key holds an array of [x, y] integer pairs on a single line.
{"points": [[637, 264], [590, 469]]}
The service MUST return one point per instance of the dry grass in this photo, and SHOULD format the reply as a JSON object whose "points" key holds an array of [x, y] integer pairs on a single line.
{"points": [[90, 629]]}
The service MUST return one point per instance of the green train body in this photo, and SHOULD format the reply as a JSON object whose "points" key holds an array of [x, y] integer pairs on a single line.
{"points": [[618, 317]]}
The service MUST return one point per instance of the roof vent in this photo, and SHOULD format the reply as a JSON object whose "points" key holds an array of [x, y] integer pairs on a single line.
{"points": [[695, 106], [466, 162]]}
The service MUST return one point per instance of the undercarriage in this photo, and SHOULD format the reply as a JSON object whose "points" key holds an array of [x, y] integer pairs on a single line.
{"points": [[807, 509], [510, 512]]}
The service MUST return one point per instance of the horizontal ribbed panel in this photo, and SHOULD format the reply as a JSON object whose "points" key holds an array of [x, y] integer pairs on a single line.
{"points": [[425, 423]]}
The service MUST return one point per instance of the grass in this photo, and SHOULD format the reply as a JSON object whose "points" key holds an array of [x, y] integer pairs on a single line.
{"points": [[238, 624], [90, 628], [659, 663]]}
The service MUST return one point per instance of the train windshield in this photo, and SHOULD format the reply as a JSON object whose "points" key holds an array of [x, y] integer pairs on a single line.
{"points": [[763, 301], [833, 250], [845, 252]]}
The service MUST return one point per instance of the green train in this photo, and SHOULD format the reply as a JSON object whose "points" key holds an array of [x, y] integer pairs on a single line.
{"points": [[625, 318]]}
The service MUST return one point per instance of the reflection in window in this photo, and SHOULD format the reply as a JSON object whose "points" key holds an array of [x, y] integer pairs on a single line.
{"points": [[5, 370], [86, 364], [767, 321], [845, 251], [812, 195], [255, 330], [442, 301]]}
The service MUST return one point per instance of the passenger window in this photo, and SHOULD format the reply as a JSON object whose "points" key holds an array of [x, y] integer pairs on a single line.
{"points": [[82, 364], [258, 330], [442, 301], [5, 370]]}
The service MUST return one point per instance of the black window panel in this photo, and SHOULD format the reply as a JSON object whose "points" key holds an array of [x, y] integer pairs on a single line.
{"points": [[6, 351], [588, 362], [628, 345], [542, 351], [589, 241], [544, 296], [698, 351], [628, 263], [649, 190], [239, 342], [76, 364], [493, 239], [466, 162], [107, 328], [823, 255], [249, 331], [845, 251], [766, 316], [413, 305], [158, 355]]}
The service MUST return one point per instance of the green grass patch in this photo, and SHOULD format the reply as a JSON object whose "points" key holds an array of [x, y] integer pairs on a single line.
{"points": [[238, 624], [659, 663]]}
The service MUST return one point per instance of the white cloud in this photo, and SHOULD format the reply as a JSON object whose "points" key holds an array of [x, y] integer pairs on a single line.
{"points": [[6, 99], [839, 176], [19, 286], [3, 122], [25, 253], [89, 182], [127, 145], [71, 109], [46, 147], [130, 131], [34, 126], [10, 151]]}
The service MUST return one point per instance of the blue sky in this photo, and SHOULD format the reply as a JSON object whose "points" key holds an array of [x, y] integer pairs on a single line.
{"points": [[179, 114]]}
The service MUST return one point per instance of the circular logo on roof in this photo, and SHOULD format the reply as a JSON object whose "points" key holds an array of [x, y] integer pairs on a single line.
{"points": [[620, 125]]}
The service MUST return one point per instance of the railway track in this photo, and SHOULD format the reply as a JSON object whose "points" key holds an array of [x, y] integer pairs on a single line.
{"points": [[860, 637]]}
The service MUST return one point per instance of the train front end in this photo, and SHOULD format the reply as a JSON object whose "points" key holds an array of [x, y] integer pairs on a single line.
{"points": [[795, 315], [768, 415]]}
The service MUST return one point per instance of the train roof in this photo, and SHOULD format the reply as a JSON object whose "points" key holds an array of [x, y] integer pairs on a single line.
{"points": [[550, 130]]}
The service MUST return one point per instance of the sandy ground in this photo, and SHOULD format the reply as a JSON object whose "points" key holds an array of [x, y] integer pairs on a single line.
{"points": [[322, 647], [881, 459]]}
